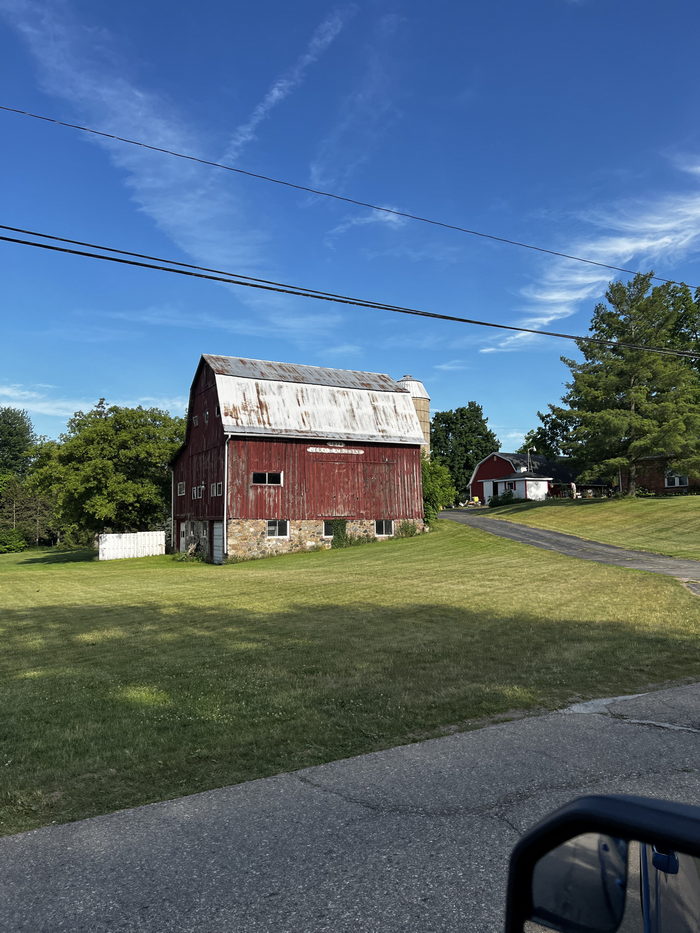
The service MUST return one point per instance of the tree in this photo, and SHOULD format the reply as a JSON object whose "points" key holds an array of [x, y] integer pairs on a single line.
{"points": [[16, 438], [460, 439], [549, 437], [627, 405], [111, 468], [438, 488], [27, 509]]}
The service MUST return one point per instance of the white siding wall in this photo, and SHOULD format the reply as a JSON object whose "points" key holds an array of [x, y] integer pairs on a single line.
{"points": [[135, 544]]}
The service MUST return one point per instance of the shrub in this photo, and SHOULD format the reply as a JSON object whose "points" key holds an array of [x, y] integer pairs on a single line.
{"points": [[12, 539], [438, 489], [406, 529], [506, 498], [339, 530]]}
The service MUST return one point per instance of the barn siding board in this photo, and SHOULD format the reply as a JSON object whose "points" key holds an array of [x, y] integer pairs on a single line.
{"points": [[381, 482]]}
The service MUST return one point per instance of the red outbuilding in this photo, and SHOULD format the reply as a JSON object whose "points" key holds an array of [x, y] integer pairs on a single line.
{"points": [[274, 452]]}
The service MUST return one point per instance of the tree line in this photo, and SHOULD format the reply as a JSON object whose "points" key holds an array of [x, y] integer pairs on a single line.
{"points": [[622, 408], [107, 471]]}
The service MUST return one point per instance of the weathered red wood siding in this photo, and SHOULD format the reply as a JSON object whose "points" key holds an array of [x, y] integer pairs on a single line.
{"points": [[493, 468], [384, 481], [201, 462]]}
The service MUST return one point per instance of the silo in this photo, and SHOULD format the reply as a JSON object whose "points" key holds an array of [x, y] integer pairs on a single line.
{"points": [[421, 402]]}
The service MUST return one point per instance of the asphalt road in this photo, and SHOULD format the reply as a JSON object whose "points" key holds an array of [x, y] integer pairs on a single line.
{"points": [[686, 570], [413, 838]]}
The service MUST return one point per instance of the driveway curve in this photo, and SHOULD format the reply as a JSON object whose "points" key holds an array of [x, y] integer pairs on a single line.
{"points": [[687, 571]]}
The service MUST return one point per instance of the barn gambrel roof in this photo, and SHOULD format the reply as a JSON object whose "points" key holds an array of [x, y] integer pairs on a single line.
{"points": [[260, 397]]}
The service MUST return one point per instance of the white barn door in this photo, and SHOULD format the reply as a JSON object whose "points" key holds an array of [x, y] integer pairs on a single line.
{"points": [[217, 542]]}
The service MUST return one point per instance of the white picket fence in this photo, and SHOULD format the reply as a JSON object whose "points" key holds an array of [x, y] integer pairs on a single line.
{"points": [[134, 544]]}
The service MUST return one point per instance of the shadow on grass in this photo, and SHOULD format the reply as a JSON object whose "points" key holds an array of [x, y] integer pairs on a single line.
{"points": [[550, 504], [79, 555], [114, 707]]}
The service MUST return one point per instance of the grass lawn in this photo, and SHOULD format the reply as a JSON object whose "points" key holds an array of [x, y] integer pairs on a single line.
{"points": [[667, 526], [131, 681]]}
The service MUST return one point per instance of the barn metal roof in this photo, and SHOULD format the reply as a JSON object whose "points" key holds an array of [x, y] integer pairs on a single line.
{"points": [[296, 372], [287, 400]]}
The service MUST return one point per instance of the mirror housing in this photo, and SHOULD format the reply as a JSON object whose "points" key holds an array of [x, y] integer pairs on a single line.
{"points": [[659, 823]]}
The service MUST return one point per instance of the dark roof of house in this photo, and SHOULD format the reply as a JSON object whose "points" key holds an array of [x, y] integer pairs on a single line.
{"points": [[559, 471], [525, 475]]}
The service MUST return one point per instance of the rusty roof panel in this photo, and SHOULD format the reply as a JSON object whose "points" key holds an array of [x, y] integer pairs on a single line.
{"points": [[295, 372], [291, 408]]}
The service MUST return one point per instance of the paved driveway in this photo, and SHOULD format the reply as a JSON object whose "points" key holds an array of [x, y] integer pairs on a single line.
{"points": [[413, 838], [686, 570]]}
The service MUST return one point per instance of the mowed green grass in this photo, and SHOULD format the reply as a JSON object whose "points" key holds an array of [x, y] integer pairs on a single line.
{"points": [[132, 681], [667, 526]]}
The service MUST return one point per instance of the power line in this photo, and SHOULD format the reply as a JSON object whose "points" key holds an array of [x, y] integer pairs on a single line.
{"points": [[336, 197], [232, 278]]}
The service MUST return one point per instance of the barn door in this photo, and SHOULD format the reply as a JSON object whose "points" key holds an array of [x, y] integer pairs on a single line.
{"points": [[337, 482], [217, 542]]}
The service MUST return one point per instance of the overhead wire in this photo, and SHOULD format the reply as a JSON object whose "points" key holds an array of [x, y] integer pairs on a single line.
{"points": [[232, 278], [308, 189]]}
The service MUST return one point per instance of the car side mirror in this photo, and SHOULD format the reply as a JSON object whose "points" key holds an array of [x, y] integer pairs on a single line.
{"points": [[570, 872]]}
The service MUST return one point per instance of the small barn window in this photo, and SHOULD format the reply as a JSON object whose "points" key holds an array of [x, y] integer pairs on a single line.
{"points": [[212, 489], [277, 528], [195, 420], [384, 527], [267, 479], [219, 489], [218, 411], [181, 489], [674, 479], [197, 492], [328, 529], [206, 417]]}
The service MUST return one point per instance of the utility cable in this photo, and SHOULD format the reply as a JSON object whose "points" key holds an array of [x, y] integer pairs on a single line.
{"points": [[232, 278], [337, 197]]}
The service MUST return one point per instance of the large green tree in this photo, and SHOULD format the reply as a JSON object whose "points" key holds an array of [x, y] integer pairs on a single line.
{"points": [[110, 469], [624, 406], [459, 439], [547, 438], [16, 439]]}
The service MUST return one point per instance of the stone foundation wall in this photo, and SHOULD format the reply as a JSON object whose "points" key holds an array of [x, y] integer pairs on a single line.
{"points": [[247, 537]]}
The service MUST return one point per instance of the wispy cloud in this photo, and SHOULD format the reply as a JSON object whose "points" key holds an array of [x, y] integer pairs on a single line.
{"points": [[436, 251], [289, 81], [37, 401], [287, 323], [510, 439], [365, 116], [343, 349], [451, 366], [633, 234], [391, 221], [192, 205]]}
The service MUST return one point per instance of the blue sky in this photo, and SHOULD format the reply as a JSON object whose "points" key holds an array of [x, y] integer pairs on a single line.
{"points": [[571, 125]]}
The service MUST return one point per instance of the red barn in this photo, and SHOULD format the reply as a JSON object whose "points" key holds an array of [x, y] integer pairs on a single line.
{"points": [[275, 451]]}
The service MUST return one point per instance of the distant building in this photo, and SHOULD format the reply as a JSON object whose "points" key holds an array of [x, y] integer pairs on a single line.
{"points": [[275, 451], [528, 476], [655, 476]]}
